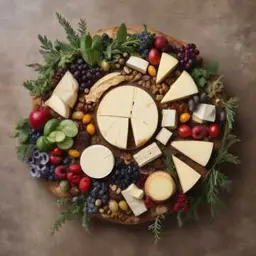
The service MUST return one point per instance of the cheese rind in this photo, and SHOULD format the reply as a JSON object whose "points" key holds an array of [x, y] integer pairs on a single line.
{"points": [[164, 136], [114, 130], [147, 154], [199, 151], [138, 64], [182, 88], [58, 105], [188, 177], [169, 118], [204, 112], [166, 66], [97, 161]]}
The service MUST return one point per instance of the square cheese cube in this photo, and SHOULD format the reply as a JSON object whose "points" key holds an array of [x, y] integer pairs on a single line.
{"points": [[138, 64], [169, 118], [163, 136], [204, 112]]}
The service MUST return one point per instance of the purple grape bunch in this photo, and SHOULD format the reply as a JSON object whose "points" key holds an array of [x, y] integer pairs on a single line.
{"points": [[85, 75], [40, 167], [187, 56], [146, 43]]}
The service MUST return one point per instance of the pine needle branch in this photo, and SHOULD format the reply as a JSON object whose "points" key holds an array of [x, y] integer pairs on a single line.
{"points": [[82, 27], [156, 227]]}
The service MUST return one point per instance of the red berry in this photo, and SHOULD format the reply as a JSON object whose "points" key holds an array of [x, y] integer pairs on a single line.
{"points": [[74, 178], [56, 160], [57, 152], [161, 43], [148, 202], [85, 184], [60, 172], [154, 57], [75, 168], [214, 130], [184, 131]]}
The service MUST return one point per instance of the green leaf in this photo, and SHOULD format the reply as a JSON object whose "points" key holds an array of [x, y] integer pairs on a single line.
{"points": [[212, 68], [23, 136], [97, 42], [24, 151], [121, 33], [202, 82]]}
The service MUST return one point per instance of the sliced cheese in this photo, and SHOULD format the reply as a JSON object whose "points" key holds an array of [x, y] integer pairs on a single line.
{"points": [[182, 88], [188, 177], [67, 83], [138, 64], [147, 154], [204, 112], [114, 130], [164, 136], [199, 151], [160, 186], [166, 66], [135, 191], [97, 161], [68, 96], [58, 105], [169, 118], [137, 205], [118, 102]]}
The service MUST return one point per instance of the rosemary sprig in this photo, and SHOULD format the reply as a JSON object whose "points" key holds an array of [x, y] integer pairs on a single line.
{"points": [[156, 227], [230, 107], [82, 27], [86, 219], [171, 167]]}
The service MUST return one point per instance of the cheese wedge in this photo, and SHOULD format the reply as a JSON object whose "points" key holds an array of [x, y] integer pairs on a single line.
{"points": [[97, 161], [188, 177], [135, 191], [160, 186], [114, 130], [199, 151], [137, 205], [68, 96], [182, 88], [169, 118], [67, 83], [58, 105], [204, 112], [164, 136], [147, 154], [166, 66], [138, 64], [118, 102]]}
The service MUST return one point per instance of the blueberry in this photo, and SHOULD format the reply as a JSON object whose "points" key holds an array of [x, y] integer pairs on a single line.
{"points": [[80, 61]]}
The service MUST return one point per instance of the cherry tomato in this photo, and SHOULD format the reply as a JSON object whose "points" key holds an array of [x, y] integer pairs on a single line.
{"points": [[57, 152], [214, 130], [184, 131]]}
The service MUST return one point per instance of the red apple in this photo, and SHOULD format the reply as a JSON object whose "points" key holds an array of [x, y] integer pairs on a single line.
{"points": [[161, 43], [214, 130], [74, 178], [75, 168], [38, 118], [154, 56], [60, 172], [184, 131], [56, 160], [85, 184], [199, 132]]}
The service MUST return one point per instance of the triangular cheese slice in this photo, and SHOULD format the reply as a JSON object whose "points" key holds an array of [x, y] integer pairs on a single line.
{"points": [[118, 102], [166, 66], [114, 130], [188, 177], [58, 105], [67, 83], [182, 88], [68, 96], [199, 151]]}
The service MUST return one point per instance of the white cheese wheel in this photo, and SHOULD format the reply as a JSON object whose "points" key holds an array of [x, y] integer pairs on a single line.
{"points": [[97, 161], [114, 130], [160, 186], [199, 151], [188, 177]]}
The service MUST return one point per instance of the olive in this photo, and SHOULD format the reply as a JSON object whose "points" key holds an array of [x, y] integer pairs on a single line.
{"points": [[113, 206], [204, 97], [222, 116], [191, 105], [196, 99]]}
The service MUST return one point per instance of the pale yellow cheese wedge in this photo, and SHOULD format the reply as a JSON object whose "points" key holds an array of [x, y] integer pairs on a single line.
{"points": [[69, 97], [58, 105], [67, 83]]}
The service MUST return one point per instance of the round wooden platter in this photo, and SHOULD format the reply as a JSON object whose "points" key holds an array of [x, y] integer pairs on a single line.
{"points": [[164, 207]]}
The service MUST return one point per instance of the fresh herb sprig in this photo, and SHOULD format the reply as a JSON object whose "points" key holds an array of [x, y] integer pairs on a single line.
{"points": [[156, 227], [215, 86], [171, 167], [230, 107], [201, 75]]}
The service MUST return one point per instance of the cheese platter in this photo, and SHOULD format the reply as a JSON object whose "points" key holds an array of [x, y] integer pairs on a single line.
{"points": [[128, 134]]}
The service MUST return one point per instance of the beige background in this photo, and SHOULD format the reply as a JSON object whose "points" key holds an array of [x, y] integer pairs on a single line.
{"points": [[224, 30]]}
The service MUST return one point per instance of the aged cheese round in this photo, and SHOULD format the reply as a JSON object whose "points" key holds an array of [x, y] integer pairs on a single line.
{"points": [[97, 161], [160, 186]]}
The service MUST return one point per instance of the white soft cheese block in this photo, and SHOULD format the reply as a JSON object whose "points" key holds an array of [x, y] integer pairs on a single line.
{"points": [[166, 66], [182, 88], [70, 97], [118, 102], [164, 136], [138, 64], [135, 191], [58, 105], [97, 161], [147, 154], [114, 130], [204, 112], [169, 118], [199, 151], [67, 83], [188, 177], [137, 205]]}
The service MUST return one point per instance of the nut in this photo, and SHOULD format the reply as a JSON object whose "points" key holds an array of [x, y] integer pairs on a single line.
{"points": [[134, 72], [158, 86], [161, 91], [137, 77], [118, 65], [125, 54], [121, 61], [148, 85], [127, 70], [154, 90], [80, 106], [81, 98], [118, 191], [140, 82], [159, 97], [113, 187], [101, 210], [117, 56], [86, 90], [98, 202]]}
